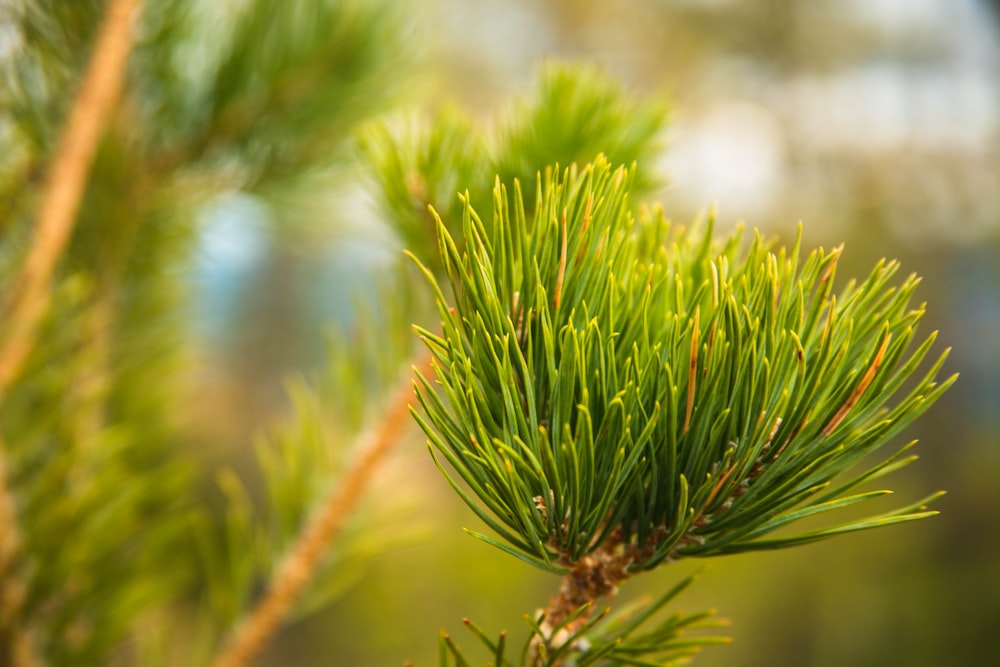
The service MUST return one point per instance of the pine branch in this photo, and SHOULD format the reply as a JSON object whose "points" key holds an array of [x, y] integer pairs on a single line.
{"points": [[595, 578], [300, 564], [64, 188]]}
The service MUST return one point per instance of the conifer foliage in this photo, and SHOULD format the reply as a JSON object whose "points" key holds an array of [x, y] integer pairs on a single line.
{"points": [[607, 391], [617, 393], [98, 492], [611, 380], [613, 392]]}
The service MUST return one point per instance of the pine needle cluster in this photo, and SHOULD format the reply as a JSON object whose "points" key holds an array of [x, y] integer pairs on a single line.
{"points": [[617, 393]]}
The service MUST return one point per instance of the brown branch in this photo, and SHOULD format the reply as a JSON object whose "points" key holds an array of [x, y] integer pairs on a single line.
{"points": [[592, 579], [301, 562], [28, 300]]}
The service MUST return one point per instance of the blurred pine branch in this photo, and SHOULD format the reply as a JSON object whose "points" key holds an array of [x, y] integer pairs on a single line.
{"points": [[216, 98], [573, 113]]}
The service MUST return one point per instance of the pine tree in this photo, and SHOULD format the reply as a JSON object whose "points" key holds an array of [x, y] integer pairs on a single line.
{"points": [[608, 392]]}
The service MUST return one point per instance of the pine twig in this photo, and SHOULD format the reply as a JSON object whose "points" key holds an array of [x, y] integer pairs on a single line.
{"points": [[28, 300], [299, 565], [594, 578]]}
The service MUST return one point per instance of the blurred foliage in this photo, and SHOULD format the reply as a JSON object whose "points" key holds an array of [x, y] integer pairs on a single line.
{"points": [[303, 459], [574, 113], [219, 97]]}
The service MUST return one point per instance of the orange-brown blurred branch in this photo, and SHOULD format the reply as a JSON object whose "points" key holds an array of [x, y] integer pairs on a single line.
{"points": [[26, 303], [300, 564]]}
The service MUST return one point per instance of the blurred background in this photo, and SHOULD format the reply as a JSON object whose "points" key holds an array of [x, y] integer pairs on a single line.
{"points": [[873, 122]]}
